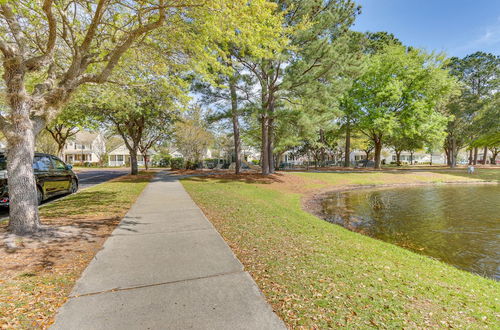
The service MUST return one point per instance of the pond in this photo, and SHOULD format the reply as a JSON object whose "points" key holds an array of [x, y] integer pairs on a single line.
{"points": [[457, 224]]}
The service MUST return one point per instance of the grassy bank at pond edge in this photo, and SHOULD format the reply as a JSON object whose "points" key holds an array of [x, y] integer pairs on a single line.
{"points": [[316, 274], [36, 279]]}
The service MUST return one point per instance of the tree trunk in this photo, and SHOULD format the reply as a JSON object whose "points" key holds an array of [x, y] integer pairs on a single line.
{"points": [[60, 149], [322, 149], [470, 156], [398, 158], [448, 159], [494, 153], [378, 152], [485, 155], [270, 148], [23, 218], [411, 158], [20, 132], [475, 155], [265, 144], [347, 161], [145, 157], [453, 154], [134, 169], [236, 125], [431, 159]]}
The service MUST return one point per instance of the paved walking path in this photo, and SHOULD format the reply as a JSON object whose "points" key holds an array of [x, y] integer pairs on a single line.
{"points": [[166, 267]]}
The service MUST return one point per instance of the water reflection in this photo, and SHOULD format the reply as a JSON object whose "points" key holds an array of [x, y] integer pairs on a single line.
{"points": [[458, 224]]}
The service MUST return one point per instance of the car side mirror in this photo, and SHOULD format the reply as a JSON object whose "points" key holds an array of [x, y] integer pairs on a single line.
{"points": [[69, 167]]}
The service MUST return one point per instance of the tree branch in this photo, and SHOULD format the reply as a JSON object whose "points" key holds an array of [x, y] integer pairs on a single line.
{"points": [[6, 50], [37, 62], [117, 52], [101, 6], [14, 27]]}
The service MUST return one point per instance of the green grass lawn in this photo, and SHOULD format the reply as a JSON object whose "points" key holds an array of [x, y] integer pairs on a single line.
{"points": [[316, 274], [36, 279]]}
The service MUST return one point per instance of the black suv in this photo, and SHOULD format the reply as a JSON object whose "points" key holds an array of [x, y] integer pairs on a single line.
{"points": [[53, 177]]}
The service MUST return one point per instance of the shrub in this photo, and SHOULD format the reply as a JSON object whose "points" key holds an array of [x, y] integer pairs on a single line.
{"points": [[211, 162], [162, 160], [177, 163]]}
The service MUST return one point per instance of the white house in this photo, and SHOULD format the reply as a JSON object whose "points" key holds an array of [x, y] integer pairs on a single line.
{"points": [[389, 156], [249, 153], [207, 153], [84, 147], [120, 156]]}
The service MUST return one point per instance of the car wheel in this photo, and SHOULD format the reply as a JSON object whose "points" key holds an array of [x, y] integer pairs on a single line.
{"points": [[39, 196], [74, 186]]}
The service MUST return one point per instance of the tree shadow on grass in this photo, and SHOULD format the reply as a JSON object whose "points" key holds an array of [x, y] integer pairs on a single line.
{"points": [[74, 229], [85, 202]]}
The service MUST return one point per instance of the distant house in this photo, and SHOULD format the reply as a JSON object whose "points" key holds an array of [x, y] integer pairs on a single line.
{"points": [[120, 156], [249, 153], [176, 154], [388, 156], [207, 153], [84, 147]]}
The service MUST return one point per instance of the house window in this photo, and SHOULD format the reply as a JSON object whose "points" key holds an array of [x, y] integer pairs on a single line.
{"points": [[394, 158], [119, 158]]}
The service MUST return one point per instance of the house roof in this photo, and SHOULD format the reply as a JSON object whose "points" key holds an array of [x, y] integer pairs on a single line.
{"points": [[84, 137]]}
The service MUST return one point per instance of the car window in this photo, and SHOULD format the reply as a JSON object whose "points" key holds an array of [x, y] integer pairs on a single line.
{"points": [[58, 164], [42, 163]]}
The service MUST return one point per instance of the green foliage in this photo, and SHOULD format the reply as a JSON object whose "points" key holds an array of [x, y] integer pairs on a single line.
{"points": [[479, 73], [191, 136], [177, 163], [162, 158], [491, 140], [400, 90], [474, 112], [74, 114], [376, 41]]}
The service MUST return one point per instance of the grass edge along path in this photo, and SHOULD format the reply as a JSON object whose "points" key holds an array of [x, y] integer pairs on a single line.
{"points": [[318, 275], [36, 279]]}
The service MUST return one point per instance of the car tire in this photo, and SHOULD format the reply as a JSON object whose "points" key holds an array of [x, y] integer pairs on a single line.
{"points": [[39, 195], [74, 187]]}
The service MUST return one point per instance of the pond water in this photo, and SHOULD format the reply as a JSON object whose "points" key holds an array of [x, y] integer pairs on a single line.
{"points": [[458, 224]]}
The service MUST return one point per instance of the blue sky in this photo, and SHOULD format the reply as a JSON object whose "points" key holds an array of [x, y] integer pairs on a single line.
{"points": [[457, 27]]}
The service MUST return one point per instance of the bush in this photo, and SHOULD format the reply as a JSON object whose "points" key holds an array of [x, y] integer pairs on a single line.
{"points": [[255, 161], [177, 163], [211, 162], [189, 165], [162, 160]]}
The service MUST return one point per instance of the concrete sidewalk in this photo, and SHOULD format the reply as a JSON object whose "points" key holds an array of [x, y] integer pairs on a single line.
{"points": [[166, 267]]}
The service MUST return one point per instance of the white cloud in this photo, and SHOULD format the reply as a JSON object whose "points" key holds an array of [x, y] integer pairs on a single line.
{"points": [[491, 34], [488, 38]]}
